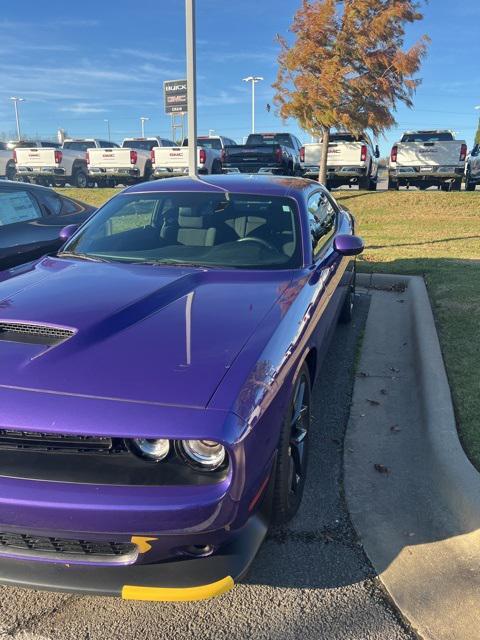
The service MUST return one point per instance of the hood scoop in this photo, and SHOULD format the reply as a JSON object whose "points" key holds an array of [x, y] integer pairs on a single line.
{"points": [[47, 336]]}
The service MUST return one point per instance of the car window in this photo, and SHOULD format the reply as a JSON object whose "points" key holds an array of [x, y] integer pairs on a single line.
{"points": [[71, 206], [18, 206], [79, 145], [322, 218], [104, 144], [231, 230], [52, 202]]}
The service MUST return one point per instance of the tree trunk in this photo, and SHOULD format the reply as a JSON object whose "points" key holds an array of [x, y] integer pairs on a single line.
{"points": [[322, 173]]}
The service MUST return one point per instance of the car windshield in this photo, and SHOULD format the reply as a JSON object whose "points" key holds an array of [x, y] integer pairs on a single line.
{"points": [[146, 145], [200, 229], [206, 143], [345, 137], [428, 136]]}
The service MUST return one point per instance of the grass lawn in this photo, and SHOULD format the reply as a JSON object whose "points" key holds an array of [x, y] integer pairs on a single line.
{"points": [[436, 235]]}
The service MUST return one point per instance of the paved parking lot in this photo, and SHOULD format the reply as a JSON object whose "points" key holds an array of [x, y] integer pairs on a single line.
{"points": [[311, 580]]}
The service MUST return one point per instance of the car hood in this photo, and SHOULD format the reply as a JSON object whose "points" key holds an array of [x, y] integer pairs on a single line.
{"points": [[164, 335]]}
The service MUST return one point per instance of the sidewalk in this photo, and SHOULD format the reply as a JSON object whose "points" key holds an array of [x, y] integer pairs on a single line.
{"points": [[413, 496]]}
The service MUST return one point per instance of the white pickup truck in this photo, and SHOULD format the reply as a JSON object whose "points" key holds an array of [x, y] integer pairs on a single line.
{"points": [[7, 163], [173, 161], [57, 166], [128, 164], [351, 160], [472, 170], [427, 158]]}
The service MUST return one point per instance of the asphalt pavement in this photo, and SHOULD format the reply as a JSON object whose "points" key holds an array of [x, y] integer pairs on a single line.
{"points": [[310, 580]]}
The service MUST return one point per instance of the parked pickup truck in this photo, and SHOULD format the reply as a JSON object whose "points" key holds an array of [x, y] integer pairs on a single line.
{"points": [[472, 169], [267, 153], [128, 164], [173, 161], [57, 166], [7, 163], [351, 160], [427, 158]]}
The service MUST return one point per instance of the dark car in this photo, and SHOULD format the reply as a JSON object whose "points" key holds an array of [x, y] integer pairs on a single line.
{"points": [[155, 384], [265, 153], [31, 218]]}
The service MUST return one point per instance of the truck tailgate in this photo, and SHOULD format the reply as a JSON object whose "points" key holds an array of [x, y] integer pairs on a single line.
{"points": [[416, 154], [172, 157], [115, 157], [35, 157], [339, 154], [251, 154]]}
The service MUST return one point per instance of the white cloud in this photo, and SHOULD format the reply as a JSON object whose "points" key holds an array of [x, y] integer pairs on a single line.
{"points": [[83, 107]]}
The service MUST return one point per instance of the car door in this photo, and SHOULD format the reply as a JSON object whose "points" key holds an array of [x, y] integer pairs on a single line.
{"points": [[21, 222], [326, 220], [475, 162]]}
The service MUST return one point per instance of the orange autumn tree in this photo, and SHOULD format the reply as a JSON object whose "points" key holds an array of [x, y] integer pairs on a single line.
{"points": [[347, 67]]}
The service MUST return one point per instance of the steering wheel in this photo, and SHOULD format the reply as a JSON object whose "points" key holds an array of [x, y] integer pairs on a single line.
{"points": [[260, 241]]}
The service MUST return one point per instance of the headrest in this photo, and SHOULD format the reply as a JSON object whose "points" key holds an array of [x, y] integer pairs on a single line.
{"points": [[188, 219]]}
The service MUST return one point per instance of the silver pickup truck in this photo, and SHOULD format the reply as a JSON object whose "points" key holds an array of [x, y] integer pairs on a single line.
{"points": [[427, 158]]}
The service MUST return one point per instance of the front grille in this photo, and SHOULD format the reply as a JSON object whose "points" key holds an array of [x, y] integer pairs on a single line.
{"points": [[33, 333], [66, 549], [37, 441]]}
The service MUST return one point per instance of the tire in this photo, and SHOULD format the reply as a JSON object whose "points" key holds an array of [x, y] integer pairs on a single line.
{"points": [[456, 185], [348, 307], [393, 185], [10, 172], [292, 453], [469, 185], [372, 184], [216, 168], [80, 179], [444, 186], [364, 184]]}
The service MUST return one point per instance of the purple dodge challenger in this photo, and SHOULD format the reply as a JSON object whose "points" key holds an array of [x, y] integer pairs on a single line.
{"points": [[155, 384]]}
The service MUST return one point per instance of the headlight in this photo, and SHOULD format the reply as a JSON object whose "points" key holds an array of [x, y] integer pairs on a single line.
{"points": [[203, 453], [154, 449]]}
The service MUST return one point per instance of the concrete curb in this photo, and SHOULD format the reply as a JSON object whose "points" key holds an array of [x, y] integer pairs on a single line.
{"points": [[413, 495]]}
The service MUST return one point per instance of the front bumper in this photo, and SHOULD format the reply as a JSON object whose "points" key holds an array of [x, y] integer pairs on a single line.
{"points": [[175, 580], [40, 171]]}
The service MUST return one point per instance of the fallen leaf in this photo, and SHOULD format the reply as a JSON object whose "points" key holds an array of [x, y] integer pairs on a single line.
{"points": [[362, 374], [374, 403], [381, 468], [383, 392], [395, 428], [400, 300], [394, 370]]}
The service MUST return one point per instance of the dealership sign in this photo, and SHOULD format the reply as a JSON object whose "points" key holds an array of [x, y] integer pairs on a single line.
{"points": [[175, 94]]}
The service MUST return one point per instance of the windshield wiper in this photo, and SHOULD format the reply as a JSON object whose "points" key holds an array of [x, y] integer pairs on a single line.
{"points": [[80, 256], [179, 263]]}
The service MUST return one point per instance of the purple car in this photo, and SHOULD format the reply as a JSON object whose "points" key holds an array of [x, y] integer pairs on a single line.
{"points": [[155, 384]]}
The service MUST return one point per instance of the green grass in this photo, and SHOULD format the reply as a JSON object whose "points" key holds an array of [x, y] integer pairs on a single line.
{"points": [[436, 235]]}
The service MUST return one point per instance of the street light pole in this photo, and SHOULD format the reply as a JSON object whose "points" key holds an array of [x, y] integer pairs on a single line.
{"points": [[16, 100], [253, 80], [143, 120], [108, 129], [190, 18]]}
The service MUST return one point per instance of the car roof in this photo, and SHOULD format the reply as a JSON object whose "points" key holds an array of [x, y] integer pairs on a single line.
{"points": [[249, 183]]}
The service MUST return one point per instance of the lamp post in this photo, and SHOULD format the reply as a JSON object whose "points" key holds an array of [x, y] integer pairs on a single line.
{"points": [[108, 129], [253, 80], [143, 120], [190, 20], [16, 100]]}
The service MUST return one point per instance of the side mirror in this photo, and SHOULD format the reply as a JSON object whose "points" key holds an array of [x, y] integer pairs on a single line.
{"points": [[377, 151], [474, 151], [67, 232], [347, 245]]}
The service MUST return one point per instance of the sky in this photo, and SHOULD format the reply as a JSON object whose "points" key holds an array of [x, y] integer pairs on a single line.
{"points": [[77, 69]]}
